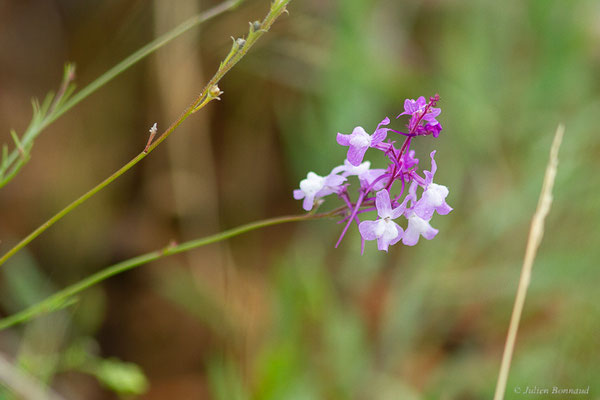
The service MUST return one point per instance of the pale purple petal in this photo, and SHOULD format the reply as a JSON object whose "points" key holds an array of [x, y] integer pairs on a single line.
{"points": [[424, 209], [389, 233], [349, 169], [385, 231], [410, 238], [385, 121], [432, 114], [326, 191], [308, 202], [338, 169], [400, 234], [410, 106], [398, 211], [356, 155], [433, 164], [429, 174], [298, 194], [382, 202], [443, 209], [417, 227], [334, 180], [433, 199], [383, 244], [367, 230], [342, 139], [331, 185], [379, 136], [380, 133], [430, 232]]}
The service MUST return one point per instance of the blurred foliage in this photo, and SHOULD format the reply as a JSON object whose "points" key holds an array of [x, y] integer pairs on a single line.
{"points": [[120, 377], [280, 314]]}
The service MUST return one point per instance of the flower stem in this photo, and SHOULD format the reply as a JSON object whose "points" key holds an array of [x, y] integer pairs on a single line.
{"points": [[63, 298], [352, 216], [276, 10]]}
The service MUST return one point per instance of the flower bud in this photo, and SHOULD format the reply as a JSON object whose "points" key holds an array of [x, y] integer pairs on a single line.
{"points": [[255, 26], [214, 91]]}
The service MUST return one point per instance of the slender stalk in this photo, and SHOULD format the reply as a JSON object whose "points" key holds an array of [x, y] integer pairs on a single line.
{"points": [[536, 232], [144, 52], [40, 229], [63, 297], [237, 53], [55, 112]]}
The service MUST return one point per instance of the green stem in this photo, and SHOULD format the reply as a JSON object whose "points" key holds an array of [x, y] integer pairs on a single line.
{"points": [[63, 297], [142, 53], [40, 229], [204, 98], [116, 71]]}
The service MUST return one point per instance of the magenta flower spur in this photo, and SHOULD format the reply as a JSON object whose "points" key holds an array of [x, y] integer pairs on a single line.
{"points": [[392, 192]]}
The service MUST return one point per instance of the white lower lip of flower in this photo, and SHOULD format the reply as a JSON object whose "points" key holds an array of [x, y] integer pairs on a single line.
{"points": [[418, 223], [361, 140], [433, 198], [386, 229], [361, 169], [312, 184], [436, 194]]}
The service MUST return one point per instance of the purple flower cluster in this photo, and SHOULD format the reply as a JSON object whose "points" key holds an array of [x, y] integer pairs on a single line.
{"points": [[375, 192]]}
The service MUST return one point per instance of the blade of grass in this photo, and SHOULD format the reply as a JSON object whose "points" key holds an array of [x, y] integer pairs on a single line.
{"points": [[207, 95], [536, 232], [144, 52]]}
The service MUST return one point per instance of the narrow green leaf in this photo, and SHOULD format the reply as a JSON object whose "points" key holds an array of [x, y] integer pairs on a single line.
{"points": [[15, 137]]}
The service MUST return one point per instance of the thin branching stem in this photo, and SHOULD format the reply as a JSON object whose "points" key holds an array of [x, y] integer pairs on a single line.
{"points": [[277, 8], [58, 107]]}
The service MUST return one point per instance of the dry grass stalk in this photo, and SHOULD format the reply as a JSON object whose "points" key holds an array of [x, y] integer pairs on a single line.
{"points": [[535, 237]]}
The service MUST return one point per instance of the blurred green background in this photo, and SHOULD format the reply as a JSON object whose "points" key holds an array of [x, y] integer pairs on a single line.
{"points": [[280, 313]]}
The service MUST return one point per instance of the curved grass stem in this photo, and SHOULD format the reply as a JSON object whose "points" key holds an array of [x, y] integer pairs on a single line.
{"points": [[64, 297]]}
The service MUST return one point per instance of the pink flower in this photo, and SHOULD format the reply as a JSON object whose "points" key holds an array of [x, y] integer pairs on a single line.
{"points": [[421, 109], [384, 230], [417, 227], [315, 187], [434, 195], [391, 191], [359, 141]]}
